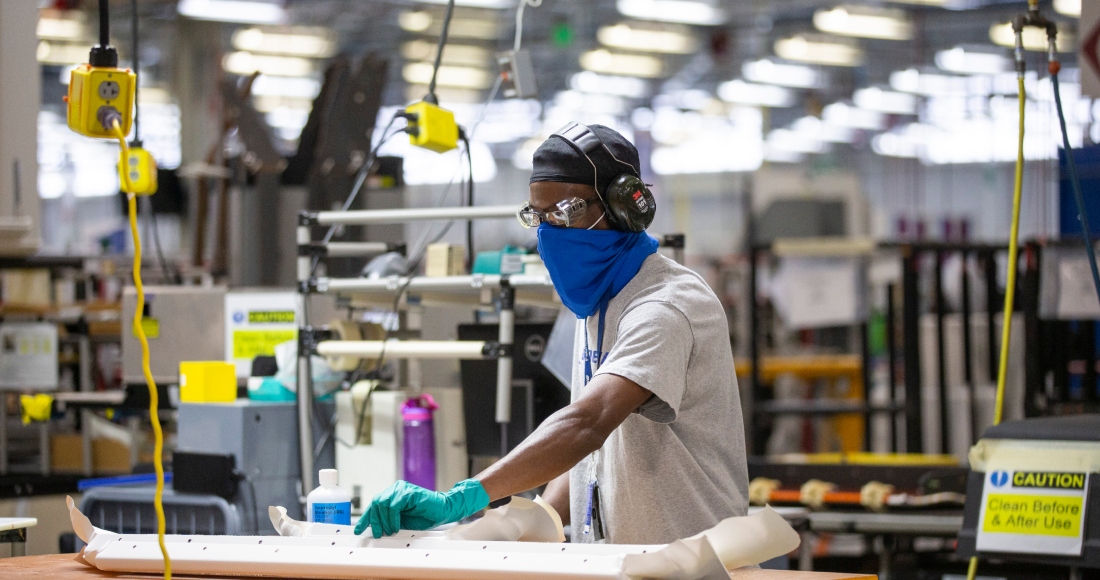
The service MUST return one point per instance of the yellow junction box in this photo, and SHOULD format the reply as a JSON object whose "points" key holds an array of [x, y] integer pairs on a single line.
{"points": [[432, 127], [93, 88], [208, 382], [141, 169]]}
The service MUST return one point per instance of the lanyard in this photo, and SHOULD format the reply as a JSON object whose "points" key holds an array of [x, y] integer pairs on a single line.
{"points": [[593, 486], [588, 355]]}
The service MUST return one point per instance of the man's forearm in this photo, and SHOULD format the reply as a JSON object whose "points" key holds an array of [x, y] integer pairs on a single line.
{"points": [[556, 446], [565, 437]]}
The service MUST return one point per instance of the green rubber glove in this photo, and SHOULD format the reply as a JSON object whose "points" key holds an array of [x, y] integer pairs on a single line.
{"points": [[404, 506]]}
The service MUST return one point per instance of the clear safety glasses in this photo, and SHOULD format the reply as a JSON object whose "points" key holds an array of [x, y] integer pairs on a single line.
{"points": [[568, 212]]}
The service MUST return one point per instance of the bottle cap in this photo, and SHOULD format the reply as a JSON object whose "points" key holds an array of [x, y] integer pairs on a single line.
{"points": [[328, 477]]}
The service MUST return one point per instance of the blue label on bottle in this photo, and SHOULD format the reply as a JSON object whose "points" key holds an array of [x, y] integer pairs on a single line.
{"points": [[332, 513]]}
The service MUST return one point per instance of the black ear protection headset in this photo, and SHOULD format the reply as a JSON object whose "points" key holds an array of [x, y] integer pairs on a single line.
{"points": [[627, 200]]}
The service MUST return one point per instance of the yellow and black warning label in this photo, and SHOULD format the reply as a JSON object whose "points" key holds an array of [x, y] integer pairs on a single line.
{"points": [[271, 317], [1048, 480]]}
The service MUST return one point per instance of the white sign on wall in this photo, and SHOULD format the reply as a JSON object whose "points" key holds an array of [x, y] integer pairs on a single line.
{"points": [[255, 322], [1089, 52], [28, 356]]}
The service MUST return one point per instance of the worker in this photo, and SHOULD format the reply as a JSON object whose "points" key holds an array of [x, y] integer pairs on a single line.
{"points": [[652, 448]]}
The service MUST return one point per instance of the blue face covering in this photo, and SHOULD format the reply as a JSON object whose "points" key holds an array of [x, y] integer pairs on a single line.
{"points": [[589, 267]]}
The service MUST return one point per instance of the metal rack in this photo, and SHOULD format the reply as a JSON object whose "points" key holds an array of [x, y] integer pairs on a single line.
{"points": [[317, 341]]}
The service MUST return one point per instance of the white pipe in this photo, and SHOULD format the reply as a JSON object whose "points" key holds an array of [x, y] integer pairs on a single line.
{"points": [[504, 367], [390, 216], [394, 283], [303, 237], [355, 249], [404, 349]]}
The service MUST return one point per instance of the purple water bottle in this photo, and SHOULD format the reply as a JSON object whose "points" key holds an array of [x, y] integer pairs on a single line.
{"points": [[419, 440]]}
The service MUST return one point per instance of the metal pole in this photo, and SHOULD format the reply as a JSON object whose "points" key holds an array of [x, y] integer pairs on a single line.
{"points": [[506, 336], [754, 355], [389, 216], [968, 348], [941, 356], [305, 378], [911, 344], [865, 376], [892, 363]]}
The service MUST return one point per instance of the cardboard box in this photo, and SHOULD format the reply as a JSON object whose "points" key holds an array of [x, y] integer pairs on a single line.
{"points": [[109, 457]]}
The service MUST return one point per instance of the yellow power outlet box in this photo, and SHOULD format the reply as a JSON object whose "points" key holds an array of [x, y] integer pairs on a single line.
{"points": [[141, 169], [432, 127], [208, 382], [93, 90]]}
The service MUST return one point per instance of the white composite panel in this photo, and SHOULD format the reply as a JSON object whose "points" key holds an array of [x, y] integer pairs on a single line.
{"points": [[334, 553]]}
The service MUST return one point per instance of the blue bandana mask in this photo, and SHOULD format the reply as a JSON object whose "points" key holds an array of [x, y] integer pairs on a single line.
{"points": [[589, 267]]}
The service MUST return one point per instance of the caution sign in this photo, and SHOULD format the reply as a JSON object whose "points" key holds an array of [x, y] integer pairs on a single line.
{"points": [[255, 322], [1033, 512], [249, 344]]}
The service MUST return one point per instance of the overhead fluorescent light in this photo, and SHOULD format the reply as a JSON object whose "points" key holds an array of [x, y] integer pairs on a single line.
{"points": [[297, 87], [418, 21], [61, 53], [423, 22], [243, 11], [457, 54], [604, 61], [741, 92], [925, 2], [876, 99], [1068, 7], [865, 22], [682, 11], [311, 43], [924, 83], [60, 28], [818, 50], [815, 129], [625, 36], [462, 77], [449, 95], [788, 75], [590, 82], [245, 63], [475, 3], [960, 60], [791, 141], [1034, 38], [843, 115]]}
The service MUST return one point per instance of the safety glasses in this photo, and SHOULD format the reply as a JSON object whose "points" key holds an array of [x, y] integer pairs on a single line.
{"points": [[568, 212]]}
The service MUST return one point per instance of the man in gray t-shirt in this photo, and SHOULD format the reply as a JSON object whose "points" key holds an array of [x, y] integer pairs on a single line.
{"points": [[652, 447]]}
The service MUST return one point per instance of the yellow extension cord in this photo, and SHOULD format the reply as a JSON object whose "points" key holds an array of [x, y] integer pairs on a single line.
{"points": [[139, 330], [1010, 286]]}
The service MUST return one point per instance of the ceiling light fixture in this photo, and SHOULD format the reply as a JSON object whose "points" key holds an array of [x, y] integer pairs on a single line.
{"points": [[625, 36], [604, 61], [1034, 38], [818, 50], [457, 54], [843, 115], [788, 75], [243, 11], [590, 82], [741, 92], [462, 77], [61, 53], [475, 3], [1068, 7], [310, 43], [245, 63], [960, 60], [418, 21], [60, 28], [865, 22], [876, 99], [682, 11]]}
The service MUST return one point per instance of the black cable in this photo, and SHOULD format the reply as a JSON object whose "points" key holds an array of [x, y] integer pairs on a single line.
{"points": [[360, 179], [469, 201], [1076, 183], [430, 97], [255, 519], [104, 24], [137, 70]]}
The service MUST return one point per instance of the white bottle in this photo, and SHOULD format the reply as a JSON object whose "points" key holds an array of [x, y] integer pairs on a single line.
{"points": [[328, 504]]}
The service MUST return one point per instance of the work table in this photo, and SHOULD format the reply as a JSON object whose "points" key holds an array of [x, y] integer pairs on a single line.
{"points": [[64, 567]]}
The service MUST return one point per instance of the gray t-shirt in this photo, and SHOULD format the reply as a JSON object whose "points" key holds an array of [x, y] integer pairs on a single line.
{"points": [[677, 466]]}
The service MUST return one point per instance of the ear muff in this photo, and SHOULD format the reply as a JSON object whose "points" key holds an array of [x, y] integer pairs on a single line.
{"points": [[630, 204]]}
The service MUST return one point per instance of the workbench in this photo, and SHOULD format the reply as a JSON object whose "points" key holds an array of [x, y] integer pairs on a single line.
{"points": [[64, 567]]}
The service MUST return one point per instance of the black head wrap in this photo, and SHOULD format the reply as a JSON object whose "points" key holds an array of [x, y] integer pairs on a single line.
{"points": [[558, 160]]}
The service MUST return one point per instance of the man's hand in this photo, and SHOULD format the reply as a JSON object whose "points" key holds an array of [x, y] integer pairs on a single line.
{"points": [[404, 506]]}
